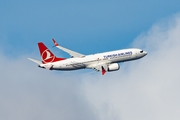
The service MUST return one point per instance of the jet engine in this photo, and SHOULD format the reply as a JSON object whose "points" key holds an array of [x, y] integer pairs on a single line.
{"points": [[113, 67]]}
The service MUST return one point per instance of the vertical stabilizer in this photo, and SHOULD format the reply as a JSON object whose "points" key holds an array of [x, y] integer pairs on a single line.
{"points": [[46, 55]]}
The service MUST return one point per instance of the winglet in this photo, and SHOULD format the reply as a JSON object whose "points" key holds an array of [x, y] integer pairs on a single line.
{"points": [[55, 43], [103, 70]]}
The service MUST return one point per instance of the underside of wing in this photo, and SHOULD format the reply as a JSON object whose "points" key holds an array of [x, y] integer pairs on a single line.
{"points": [[70, 52], [103, 67]]}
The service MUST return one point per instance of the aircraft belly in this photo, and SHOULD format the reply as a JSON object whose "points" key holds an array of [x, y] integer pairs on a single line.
{"points": [[68, 67]]}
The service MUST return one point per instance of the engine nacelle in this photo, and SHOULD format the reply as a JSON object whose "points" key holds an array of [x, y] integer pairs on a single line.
{"points": [[113, 67]]}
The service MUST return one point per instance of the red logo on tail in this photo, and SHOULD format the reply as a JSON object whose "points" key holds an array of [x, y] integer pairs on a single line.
{"points": [[47, 56]]}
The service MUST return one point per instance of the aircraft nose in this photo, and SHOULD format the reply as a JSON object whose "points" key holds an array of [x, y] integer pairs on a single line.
{"points": [[145, 53]]}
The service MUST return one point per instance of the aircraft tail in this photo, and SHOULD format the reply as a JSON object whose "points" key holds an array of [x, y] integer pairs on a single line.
{"points": [[46, 55]]}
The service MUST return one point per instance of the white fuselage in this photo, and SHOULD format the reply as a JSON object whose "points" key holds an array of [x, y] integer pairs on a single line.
{"points": [[93, 60]]}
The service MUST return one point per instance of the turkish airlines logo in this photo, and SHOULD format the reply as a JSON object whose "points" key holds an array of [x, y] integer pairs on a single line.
{"points": [[47, 56]]}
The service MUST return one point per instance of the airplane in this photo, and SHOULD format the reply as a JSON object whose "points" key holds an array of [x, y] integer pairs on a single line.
{"points": [[104, 62]]}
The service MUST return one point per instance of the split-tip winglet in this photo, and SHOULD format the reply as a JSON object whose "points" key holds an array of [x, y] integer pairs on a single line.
{"points": [[55, 43], [103, 70]]}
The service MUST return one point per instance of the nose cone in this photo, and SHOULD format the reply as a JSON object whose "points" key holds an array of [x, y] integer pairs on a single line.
{"points": [[145, 53]]}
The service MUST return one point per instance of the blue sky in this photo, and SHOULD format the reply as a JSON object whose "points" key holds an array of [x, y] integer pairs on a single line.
{"points": [[84, 26]]}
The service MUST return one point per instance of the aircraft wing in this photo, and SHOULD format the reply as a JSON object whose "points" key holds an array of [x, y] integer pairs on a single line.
{"points": [[102, 66], [70, 52]]}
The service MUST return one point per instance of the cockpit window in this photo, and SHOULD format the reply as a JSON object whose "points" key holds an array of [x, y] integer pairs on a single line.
{"points": [[141, 51]]}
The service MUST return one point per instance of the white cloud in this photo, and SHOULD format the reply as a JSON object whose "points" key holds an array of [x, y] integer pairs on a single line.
{"points": [[27, 92], [146, 89]]}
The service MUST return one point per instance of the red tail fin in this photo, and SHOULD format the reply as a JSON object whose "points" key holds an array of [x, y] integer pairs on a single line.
{"points": [[46, 55]]}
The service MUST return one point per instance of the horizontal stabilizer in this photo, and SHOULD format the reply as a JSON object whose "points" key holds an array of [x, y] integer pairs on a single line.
{"points": [[35, 61]]}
